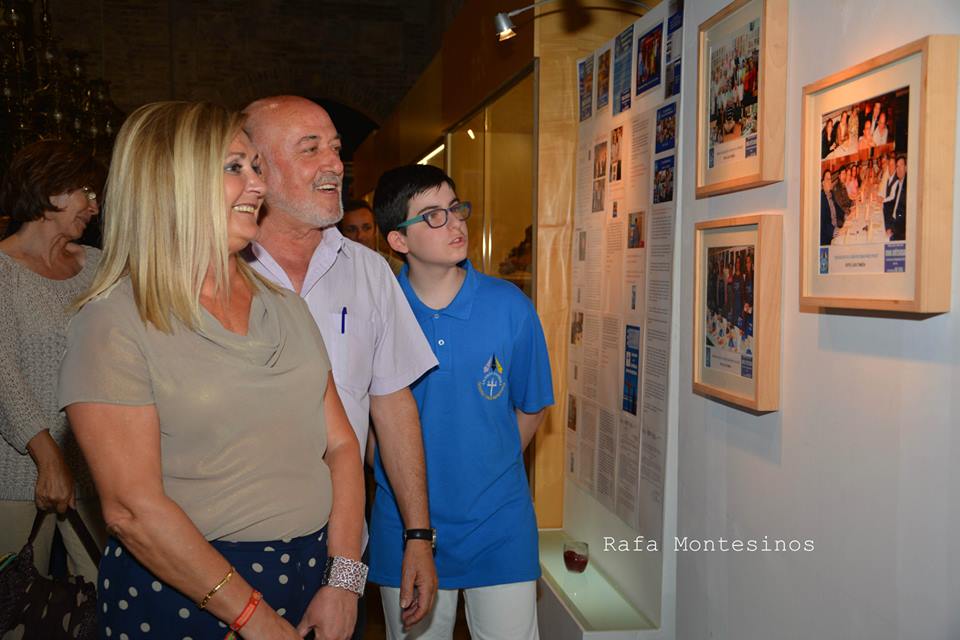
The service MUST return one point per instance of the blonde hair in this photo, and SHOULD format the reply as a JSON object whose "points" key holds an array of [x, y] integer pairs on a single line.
{"points": [[165, 225]]}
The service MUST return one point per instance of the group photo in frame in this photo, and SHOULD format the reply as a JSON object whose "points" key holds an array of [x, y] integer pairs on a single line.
{"points": [[877, 158], [737, 310], [741, 97]]}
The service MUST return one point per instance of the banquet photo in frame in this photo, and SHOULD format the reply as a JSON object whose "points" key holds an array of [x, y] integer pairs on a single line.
{"points": [[876, 193], [741, 97], [737, 290]]}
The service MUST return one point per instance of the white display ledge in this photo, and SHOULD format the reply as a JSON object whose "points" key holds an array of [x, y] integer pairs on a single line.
{"points": [[586, 605]]}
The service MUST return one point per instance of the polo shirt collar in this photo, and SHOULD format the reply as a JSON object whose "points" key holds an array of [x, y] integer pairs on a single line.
{"points": [[461, 305]]}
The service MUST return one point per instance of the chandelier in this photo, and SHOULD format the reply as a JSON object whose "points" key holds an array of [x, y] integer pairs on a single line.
{"points": [[45, 93]]}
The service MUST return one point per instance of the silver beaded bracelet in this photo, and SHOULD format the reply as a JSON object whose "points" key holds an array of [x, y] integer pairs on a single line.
{"points": [[346, 574]]}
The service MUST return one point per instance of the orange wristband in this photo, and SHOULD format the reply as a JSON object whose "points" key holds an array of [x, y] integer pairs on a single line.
{"points": [[247, 612]]}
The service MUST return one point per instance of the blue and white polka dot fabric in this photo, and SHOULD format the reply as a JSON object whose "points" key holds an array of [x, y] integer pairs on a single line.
{"points": [[134, 604]]}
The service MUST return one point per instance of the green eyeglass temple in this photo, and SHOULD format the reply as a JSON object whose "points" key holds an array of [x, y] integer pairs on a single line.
{"points": [[461, 211]]}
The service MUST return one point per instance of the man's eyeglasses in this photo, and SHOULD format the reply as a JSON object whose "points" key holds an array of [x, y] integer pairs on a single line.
{"points": [[436, 218], [89, 193]]}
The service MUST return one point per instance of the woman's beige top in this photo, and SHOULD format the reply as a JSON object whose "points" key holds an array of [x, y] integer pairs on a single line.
{"points": [[242, 430]]}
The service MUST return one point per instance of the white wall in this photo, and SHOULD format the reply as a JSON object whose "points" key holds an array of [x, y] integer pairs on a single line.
{"points": [[864, 456]]}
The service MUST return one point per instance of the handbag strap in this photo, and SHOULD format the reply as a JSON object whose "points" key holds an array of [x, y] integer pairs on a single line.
{"points": [[89, 544], [37, 521], [93, 550]]}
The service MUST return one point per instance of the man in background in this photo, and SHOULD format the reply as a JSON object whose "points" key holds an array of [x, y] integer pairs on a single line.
{"points": [[358, 225]]}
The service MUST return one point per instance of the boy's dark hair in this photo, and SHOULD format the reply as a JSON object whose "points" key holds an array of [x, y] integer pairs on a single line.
{"points": [[397, 186]]}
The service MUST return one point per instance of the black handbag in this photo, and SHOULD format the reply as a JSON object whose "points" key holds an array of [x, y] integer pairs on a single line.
{"points": [[48, 608]]}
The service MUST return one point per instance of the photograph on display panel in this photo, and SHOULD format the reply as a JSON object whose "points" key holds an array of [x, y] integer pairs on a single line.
{"points": [[873, 209], [600, 160], [672, 51], [598, 195], [599, 175], [663, 180], [666, 128], [616, 154], [635, 239], [603, 79], [571, 412], [622, 70], [741, 97], [576, 328], [585, 77], [631, 369], [649, 58]]}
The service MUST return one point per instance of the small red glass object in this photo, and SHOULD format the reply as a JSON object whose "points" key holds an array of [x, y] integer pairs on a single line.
{"points": [[576, 555]]}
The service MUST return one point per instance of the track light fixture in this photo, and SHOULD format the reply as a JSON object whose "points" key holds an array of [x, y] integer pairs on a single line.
{"points": [[505, 29]]}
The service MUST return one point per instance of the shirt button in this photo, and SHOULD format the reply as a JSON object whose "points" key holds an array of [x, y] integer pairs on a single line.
{"points": [[436, 315], [440, 342]]}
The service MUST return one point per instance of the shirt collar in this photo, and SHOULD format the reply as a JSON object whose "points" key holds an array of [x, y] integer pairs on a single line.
{"points": [[461, 305], [335, 241], [332, 244]]}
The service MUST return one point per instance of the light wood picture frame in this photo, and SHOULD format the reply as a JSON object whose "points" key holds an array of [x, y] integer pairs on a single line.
{"points": [[737, 308], [741, 97], [884, 242]]}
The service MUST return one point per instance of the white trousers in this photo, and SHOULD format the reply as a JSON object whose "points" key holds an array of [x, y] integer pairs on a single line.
{"points": [[500, 612]]}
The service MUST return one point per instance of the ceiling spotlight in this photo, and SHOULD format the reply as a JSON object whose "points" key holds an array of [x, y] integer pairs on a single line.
{"points": [[503, 25], [505, 29]]}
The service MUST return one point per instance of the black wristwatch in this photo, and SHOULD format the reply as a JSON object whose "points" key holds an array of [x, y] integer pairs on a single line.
{"points": [[421, 534]]}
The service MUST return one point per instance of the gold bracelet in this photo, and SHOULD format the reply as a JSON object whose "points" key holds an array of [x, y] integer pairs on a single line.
{"points": [[206, 599]]}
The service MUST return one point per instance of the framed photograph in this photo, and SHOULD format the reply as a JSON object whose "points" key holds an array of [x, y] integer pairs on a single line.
{"points": [[876, 195], [741, 97], [736, 310]]}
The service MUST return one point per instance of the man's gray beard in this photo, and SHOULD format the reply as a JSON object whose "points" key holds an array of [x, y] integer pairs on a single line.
{"points": [[309, 216]]}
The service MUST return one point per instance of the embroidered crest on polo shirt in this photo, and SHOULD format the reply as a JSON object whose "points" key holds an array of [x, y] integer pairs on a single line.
{"points": [[491, 385]]}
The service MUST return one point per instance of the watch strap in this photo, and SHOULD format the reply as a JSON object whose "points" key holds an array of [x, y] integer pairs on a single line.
{"points": [[429, 535]]}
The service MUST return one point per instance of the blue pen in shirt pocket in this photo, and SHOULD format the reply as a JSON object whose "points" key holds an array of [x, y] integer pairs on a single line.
{"points": [[343, 321]]}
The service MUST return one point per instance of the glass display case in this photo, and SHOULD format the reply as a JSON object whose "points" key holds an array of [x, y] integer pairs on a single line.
{"points": [[491, 158]]}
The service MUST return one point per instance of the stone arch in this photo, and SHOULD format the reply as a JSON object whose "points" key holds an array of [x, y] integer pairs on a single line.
{"points": [[368, 101]]}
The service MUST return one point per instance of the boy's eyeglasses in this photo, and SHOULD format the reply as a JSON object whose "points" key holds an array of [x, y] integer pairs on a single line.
{"points": [[436, 218]]}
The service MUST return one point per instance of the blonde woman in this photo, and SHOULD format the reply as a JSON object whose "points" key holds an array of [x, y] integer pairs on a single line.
{"points": [[229, 485]]}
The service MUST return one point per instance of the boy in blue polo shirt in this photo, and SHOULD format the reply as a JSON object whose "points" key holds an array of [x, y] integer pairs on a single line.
{"points": [[478, 409]]}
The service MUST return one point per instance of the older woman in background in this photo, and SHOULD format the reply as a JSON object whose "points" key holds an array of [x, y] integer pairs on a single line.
{"points": [[226, 478], [50, 194]]}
